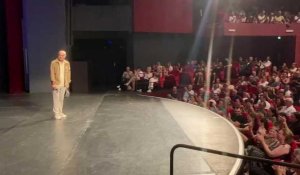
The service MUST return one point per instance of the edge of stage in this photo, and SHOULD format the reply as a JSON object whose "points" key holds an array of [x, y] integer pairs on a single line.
{"points": [[238, 162]]}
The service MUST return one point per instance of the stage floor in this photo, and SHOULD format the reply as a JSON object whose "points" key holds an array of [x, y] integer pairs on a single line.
{"points": [[111, 134]]}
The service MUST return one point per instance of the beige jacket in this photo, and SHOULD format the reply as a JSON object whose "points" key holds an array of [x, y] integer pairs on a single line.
{"points": [[54, 73]]}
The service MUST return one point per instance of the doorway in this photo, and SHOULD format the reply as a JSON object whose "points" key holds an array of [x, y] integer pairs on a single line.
{"points": [[106, 59]]}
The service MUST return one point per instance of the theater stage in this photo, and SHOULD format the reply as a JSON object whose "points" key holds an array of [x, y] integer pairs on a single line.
{"points": [[111, 134]]}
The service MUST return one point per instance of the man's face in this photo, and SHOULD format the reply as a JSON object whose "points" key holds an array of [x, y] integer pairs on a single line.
{"points": [[174, 89], [62, 55], [238, 111]]}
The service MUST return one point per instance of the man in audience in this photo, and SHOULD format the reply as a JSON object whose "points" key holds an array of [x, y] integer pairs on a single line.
{"points": [[174, 94], [238, 119], [126, 76], [294, 123], [189, 94]]}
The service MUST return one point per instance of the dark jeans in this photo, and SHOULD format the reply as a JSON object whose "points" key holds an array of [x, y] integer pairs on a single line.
{"points": [[257, 168]]}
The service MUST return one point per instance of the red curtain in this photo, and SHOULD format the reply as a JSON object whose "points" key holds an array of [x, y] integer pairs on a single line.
{"points": [[15, 45]]}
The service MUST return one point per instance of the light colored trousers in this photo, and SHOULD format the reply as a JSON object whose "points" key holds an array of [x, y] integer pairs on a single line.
{"points": [[58, 101]]}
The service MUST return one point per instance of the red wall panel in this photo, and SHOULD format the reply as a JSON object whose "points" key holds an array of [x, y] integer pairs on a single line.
{"points": [[297, 50], [246, 29], [163, 16]]}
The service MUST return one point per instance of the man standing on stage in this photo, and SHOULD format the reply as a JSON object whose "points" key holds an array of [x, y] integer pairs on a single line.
{"points": [[60, 73]]}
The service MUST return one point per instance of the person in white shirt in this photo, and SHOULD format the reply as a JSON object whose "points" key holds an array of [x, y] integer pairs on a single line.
{"points": [[289, 108], [263, 101]]}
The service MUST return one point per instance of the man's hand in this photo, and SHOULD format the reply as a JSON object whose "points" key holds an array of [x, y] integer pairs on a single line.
{"points": [[237, 124], [54, 87]]}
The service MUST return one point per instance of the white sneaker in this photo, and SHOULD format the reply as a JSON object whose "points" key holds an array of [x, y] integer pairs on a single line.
{"points": [[118, 87], [149, 91], [139, 90], [63, 115], [57, 117]]}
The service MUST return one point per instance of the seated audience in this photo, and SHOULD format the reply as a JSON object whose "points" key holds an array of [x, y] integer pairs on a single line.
{"points": [[273, 17]]}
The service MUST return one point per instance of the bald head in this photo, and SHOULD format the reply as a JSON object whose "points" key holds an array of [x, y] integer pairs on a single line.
{"points": [[61, 55]]}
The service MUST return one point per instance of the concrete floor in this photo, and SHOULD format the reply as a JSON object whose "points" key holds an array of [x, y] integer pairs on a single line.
{"points": [[111, 134]]}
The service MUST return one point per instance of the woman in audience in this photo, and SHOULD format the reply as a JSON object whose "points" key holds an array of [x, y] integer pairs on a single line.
{"points": [[284, 137], [270, 147]]}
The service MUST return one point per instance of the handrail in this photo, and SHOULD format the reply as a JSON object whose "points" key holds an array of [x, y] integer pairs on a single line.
{"points": [[251, 158]]}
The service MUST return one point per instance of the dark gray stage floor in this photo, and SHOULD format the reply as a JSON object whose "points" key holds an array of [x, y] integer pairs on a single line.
{"points": [[111, 134]]}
